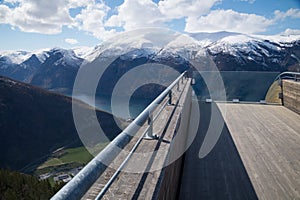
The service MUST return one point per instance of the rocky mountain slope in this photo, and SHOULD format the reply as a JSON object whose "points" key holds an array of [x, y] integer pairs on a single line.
{"points": [[35, 122], [53, 69], [255, 53]]}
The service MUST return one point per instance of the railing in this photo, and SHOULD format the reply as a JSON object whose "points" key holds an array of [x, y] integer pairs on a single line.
{"points": [[79, 185], [288, 75]]}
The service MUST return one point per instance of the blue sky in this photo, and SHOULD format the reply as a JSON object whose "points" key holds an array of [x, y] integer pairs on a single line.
{"points": [[36, 24]]}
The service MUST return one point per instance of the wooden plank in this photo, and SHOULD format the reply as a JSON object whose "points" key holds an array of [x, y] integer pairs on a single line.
{"points": [[220, 174], [291, 95], [268, 141]]}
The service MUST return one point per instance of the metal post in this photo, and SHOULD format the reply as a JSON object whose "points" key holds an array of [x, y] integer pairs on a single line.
{"points": [[177, 86], [149, 135], [281, 92], [150, 123], [170, 98], [193, 81]]}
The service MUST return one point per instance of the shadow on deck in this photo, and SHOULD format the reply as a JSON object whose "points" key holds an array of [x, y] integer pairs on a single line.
{"points": [[219, 175]]}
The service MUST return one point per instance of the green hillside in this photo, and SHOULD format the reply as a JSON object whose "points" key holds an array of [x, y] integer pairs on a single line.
{"points": [[16, 186]]}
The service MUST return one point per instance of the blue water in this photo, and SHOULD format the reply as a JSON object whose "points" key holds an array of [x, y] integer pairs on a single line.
{"points": [[242, 85], [246, 86], [120, 107]]}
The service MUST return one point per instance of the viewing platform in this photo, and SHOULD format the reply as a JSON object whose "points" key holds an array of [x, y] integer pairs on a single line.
{"points": [[150, 155], [256, 155], [139, 157], [267, 138]]}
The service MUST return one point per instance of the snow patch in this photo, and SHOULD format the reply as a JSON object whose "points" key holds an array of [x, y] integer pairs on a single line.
{"points": [[16, 57], [83, 51]]}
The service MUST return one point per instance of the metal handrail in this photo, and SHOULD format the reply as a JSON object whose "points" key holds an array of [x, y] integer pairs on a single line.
{"points": [[287, 75], [78, 186], [143, 136]]}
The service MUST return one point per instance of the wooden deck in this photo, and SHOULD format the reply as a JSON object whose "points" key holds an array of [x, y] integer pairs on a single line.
{"points": [[219, 175], [268, 141]]}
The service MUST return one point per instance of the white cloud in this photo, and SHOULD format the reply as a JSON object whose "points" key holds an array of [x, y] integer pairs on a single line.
{"points": [[198, 15], [249, 1], [79, 3], [11, 1], [41, 16], [4, 12], [91, 19], [133, 14], [293, 13], [176, 9], [228, 20], [71, 41], [114, 21], [291, 32], [49, 17]]}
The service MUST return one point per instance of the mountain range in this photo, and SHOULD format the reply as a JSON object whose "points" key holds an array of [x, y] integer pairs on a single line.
{"points": [[55, 69]]}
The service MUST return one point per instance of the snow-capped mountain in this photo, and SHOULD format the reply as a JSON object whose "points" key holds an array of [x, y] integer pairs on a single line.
{"points": [[230, 51], [18, 57], [23, 58], [56, 69], [53, 69], [255, 52]]}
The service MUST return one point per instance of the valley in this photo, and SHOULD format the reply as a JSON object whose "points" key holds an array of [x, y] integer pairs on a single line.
{"points": [[38, 133], [35, 123]]}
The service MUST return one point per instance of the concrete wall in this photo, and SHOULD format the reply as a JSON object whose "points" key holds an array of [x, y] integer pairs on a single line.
{"points": [[170, 177], [291, 95]]}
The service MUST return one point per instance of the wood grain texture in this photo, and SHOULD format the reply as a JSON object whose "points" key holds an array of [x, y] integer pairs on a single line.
{"points": [[268, 141], [291, 95], [220, 174]]}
